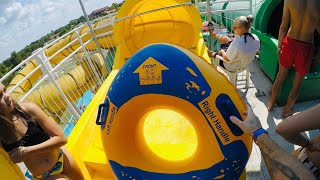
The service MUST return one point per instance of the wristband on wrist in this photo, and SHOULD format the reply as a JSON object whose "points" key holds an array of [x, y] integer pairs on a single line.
{"points": [[257, 133]]}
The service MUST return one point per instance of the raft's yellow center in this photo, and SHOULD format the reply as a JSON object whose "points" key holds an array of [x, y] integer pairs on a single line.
{"points": [[169, 135]]}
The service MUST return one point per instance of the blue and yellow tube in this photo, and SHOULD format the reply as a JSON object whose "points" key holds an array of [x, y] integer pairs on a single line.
{"points": [[179, 84]]}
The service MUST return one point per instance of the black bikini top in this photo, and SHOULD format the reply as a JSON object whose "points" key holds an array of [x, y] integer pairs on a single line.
{"points": [[34, 135]]}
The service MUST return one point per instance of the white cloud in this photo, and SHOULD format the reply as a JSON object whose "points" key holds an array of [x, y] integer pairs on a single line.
{"points": [[14, 7], [49, 10], [4, 3], [13, 10], [2, 20]]}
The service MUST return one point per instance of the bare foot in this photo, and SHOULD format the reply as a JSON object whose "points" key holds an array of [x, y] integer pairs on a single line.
{"points": [[270, 105], [288, 113]]}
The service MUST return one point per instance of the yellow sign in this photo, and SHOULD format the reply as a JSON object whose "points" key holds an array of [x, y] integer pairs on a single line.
{"points": [[150, 72]]}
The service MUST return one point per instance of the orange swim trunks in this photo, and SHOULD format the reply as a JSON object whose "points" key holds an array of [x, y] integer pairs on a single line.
{"points": [[298, 54]]}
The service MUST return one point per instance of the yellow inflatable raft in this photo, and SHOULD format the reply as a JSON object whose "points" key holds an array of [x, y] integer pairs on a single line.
{"points": [[164, 77]]}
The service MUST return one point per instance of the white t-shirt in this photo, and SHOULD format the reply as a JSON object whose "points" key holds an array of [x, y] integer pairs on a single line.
{"points": [[240, 53]]}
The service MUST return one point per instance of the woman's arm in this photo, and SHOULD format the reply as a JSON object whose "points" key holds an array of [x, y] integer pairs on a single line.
{"points": [[57, 139], [291, 128]]}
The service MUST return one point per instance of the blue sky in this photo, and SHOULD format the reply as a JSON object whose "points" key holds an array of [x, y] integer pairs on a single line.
{"points": [[24, 21]]}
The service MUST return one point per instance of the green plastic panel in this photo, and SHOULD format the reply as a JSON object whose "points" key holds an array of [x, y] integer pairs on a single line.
{"points": [[268, 54], [263, 14]]}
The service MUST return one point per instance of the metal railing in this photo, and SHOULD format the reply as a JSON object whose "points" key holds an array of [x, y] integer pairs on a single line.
{"points": [[224, 12], [57, 75], [208, 9]]}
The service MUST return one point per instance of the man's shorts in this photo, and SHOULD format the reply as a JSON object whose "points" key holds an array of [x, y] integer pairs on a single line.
{"points": [[298, 54]]}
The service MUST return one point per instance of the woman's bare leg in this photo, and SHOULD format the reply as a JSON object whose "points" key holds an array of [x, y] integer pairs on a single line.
{"points": [[70, 167]]}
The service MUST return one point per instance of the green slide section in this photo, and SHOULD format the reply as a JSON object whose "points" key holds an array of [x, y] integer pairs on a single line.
{"points": [[268, 54], [266, 25]]}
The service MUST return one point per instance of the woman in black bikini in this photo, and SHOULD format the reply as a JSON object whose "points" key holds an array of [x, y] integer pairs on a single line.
{"points": [[30, 136]]}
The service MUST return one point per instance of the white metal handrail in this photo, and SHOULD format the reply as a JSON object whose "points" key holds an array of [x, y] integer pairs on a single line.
{"points": [[105, 34], [252, 7], [227, 10], [103, 26], [90, 27], [88, 57], [224, 1]]}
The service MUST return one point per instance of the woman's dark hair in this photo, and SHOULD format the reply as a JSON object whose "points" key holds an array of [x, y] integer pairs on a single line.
{"points": [[245, 22], [8, 131]]}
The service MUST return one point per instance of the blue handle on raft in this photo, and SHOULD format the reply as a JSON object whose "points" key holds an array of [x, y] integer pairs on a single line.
{"points": [[105, 113]]}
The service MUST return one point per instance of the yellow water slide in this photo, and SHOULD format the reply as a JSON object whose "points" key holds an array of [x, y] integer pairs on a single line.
{"points": [[167, 21]]}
